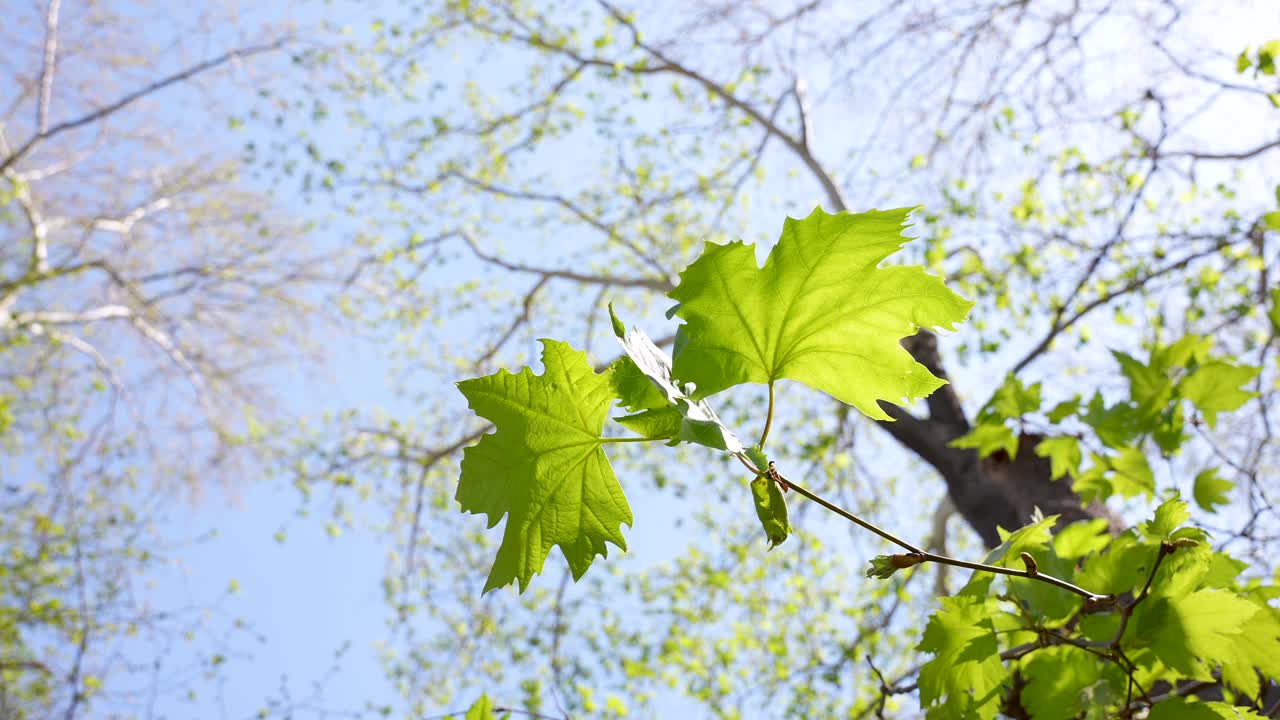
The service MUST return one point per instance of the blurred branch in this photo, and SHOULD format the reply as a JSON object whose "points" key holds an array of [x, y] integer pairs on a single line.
{"points": [[47, 67], [111, 108]]}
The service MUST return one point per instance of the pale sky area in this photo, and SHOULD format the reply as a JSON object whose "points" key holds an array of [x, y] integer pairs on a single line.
{"points": [[294, 604]]}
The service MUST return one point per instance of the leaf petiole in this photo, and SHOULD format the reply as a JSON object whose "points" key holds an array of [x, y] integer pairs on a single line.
{"points": [[768, 418]]}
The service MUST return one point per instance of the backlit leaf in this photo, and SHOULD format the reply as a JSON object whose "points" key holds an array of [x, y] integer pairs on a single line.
{"points": [[1188, 630], [1209, 490], [988, 438], [820, 312], [1214, 387], [965, 675], [1063, 452], [543, 468]]}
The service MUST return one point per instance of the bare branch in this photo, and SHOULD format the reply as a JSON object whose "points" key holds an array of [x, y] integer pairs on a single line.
{"points": [[661, 285], [1061, 324], [136, 95], [1238, 155], [47, 69]]}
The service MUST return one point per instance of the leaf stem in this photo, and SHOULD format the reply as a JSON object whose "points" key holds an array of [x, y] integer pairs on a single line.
{"points": [[943, 559], [856, 520], [622, 440], [1050, 579], [1126, 612], [768, 418]]}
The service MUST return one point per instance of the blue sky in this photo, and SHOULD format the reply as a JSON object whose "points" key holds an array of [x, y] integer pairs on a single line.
{"points": [[313, 594]]}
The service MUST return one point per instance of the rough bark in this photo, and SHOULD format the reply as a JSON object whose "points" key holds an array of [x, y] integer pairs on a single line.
{"points": [[991, 492]]}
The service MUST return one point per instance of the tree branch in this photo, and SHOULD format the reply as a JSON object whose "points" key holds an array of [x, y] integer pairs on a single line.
{"points": [[584, 278], [48, 66], [136, 95]]}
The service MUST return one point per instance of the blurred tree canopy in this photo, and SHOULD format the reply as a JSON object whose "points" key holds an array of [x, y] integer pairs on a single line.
{"points": [[1099, 177], [143, 289]]}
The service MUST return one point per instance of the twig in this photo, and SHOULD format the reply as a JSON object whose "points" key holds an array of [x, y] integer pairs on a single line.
{"points": [[916, 555], [1166, 548]]}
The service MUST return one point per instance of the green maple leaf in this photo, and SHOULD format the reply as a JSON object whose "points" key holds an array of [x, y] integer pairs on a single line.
{"points": [[1013, 399], [1273, 312], [1034, 539], [1121, 566], [1057, 678], [1131, 473], [771, 508], [1201, 627], [987, 438], [662, 423], [1210, 490], [1115, 425], [820, 312], [632, 387], [1181, 354], [481, 709], [1214, 387], [1255, 648], [1063, 452], [544, 467], [1169, 516], [1081, 538], [1064, 409], [965, 675]]}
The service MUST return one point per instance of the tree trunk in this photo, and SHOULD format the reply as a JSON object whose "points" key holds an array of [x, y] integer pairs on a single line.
{"points": [[992, 492]]}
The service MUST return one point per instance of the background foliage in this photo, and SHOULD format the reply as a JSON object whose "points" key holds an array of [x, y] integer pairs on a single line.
{"points": [[192, 210]]}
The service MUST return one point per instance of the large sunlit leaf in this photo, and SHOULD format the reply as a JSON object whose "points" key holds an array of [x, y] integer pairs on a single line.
{"points": [[543, 468], [821, 311]]}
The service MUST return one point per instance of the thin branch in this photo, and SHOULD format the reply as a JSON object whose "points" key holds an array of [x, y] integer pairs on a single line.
{"points": [[456, 714], [136, 95], [855, 519], [919, 556], [661, 285], [1059, 325], [1238, 155], [47, 68], [59, 317], [25, 665], [1166, 548], [794, 143]]}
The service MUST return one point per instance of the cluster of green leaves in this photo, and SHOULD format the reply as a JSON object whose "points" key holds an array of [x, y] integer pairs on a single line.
{"points": [[1262, 61], [1152, 606], [1169, 611], [1174, 377], [820, 312]]}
